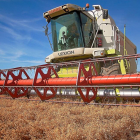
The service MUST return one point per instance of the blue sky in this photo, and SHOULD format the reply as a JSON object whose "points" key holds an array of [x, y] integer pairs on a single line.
{"points": [[22, 38]]}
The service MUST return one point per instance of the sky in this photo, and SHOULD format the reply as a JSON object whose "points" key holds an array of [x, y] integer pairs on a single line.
{"points": [[22, 38]]}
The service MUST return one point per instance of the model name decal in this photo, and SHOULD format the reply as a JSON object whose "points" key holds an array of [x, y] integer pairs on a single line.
{"points": [[66, 53]]}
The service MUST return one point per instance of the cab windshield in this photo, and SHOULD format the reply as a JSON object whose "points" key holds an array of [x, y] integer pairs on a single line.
{"points": [[66, 32]]}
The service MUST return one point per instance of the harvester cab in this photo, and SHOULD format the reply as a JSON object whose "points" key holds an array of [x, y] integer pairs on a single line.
{"points": [[79, 34], [73, 29]]}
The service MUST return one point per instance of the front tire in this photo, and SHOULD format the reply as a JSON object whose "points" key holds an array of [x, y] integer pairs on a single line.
{"points": [[111, 70]]}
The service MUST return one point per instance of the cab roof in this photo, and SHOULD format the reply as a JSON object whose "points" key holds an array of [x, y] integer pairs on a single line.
{"points": [[63, 10]]}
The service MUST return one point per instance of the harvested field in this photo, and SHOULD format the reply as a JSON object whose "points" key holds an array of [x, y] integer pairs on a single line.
{"points": [[24, 120]]}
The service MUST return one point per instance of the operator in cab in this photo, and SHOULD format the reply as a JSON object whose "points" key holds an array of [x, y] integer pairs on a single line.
{"points": [[72, 36]]}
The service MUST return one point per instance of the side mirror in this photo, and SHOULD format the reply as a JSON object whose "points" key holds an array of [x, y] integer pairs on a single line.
{"points": [[105, 14], [48, 19], [46, 29]]}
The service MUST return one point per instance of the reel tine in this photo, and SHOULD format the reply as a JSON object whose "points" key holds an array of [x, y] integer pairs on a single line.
{"points": [[127, 101], [105, 99], [134, 100], [108, 100], [114, 100]]}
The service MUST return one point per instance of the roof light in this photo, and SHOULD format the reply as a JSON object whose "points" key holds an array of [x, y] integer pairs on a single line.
{"points": [[87, 5]]}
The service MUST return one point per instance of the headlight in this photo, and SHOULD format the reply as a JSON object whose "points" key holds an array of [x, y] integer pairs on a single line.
{"points": [[98, 53]]}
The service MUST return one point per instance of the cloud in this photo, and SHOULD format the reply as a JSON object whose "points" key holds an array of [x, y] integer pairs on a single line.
{"points": [[21, 43], [20, 30], [22, 24], [16, 56], [2, 52], [23, 61], [13, 55], [29, 61], [14, 34]]}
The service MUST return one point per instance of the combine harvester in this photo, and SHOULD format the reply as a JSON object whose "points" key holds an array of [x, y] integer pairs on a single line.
{"points": [[91, 59]]}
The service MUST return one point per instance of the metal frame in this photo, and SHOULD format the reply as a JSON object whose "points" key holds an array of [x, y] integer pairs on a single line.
{"points": [[17, 86]]}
